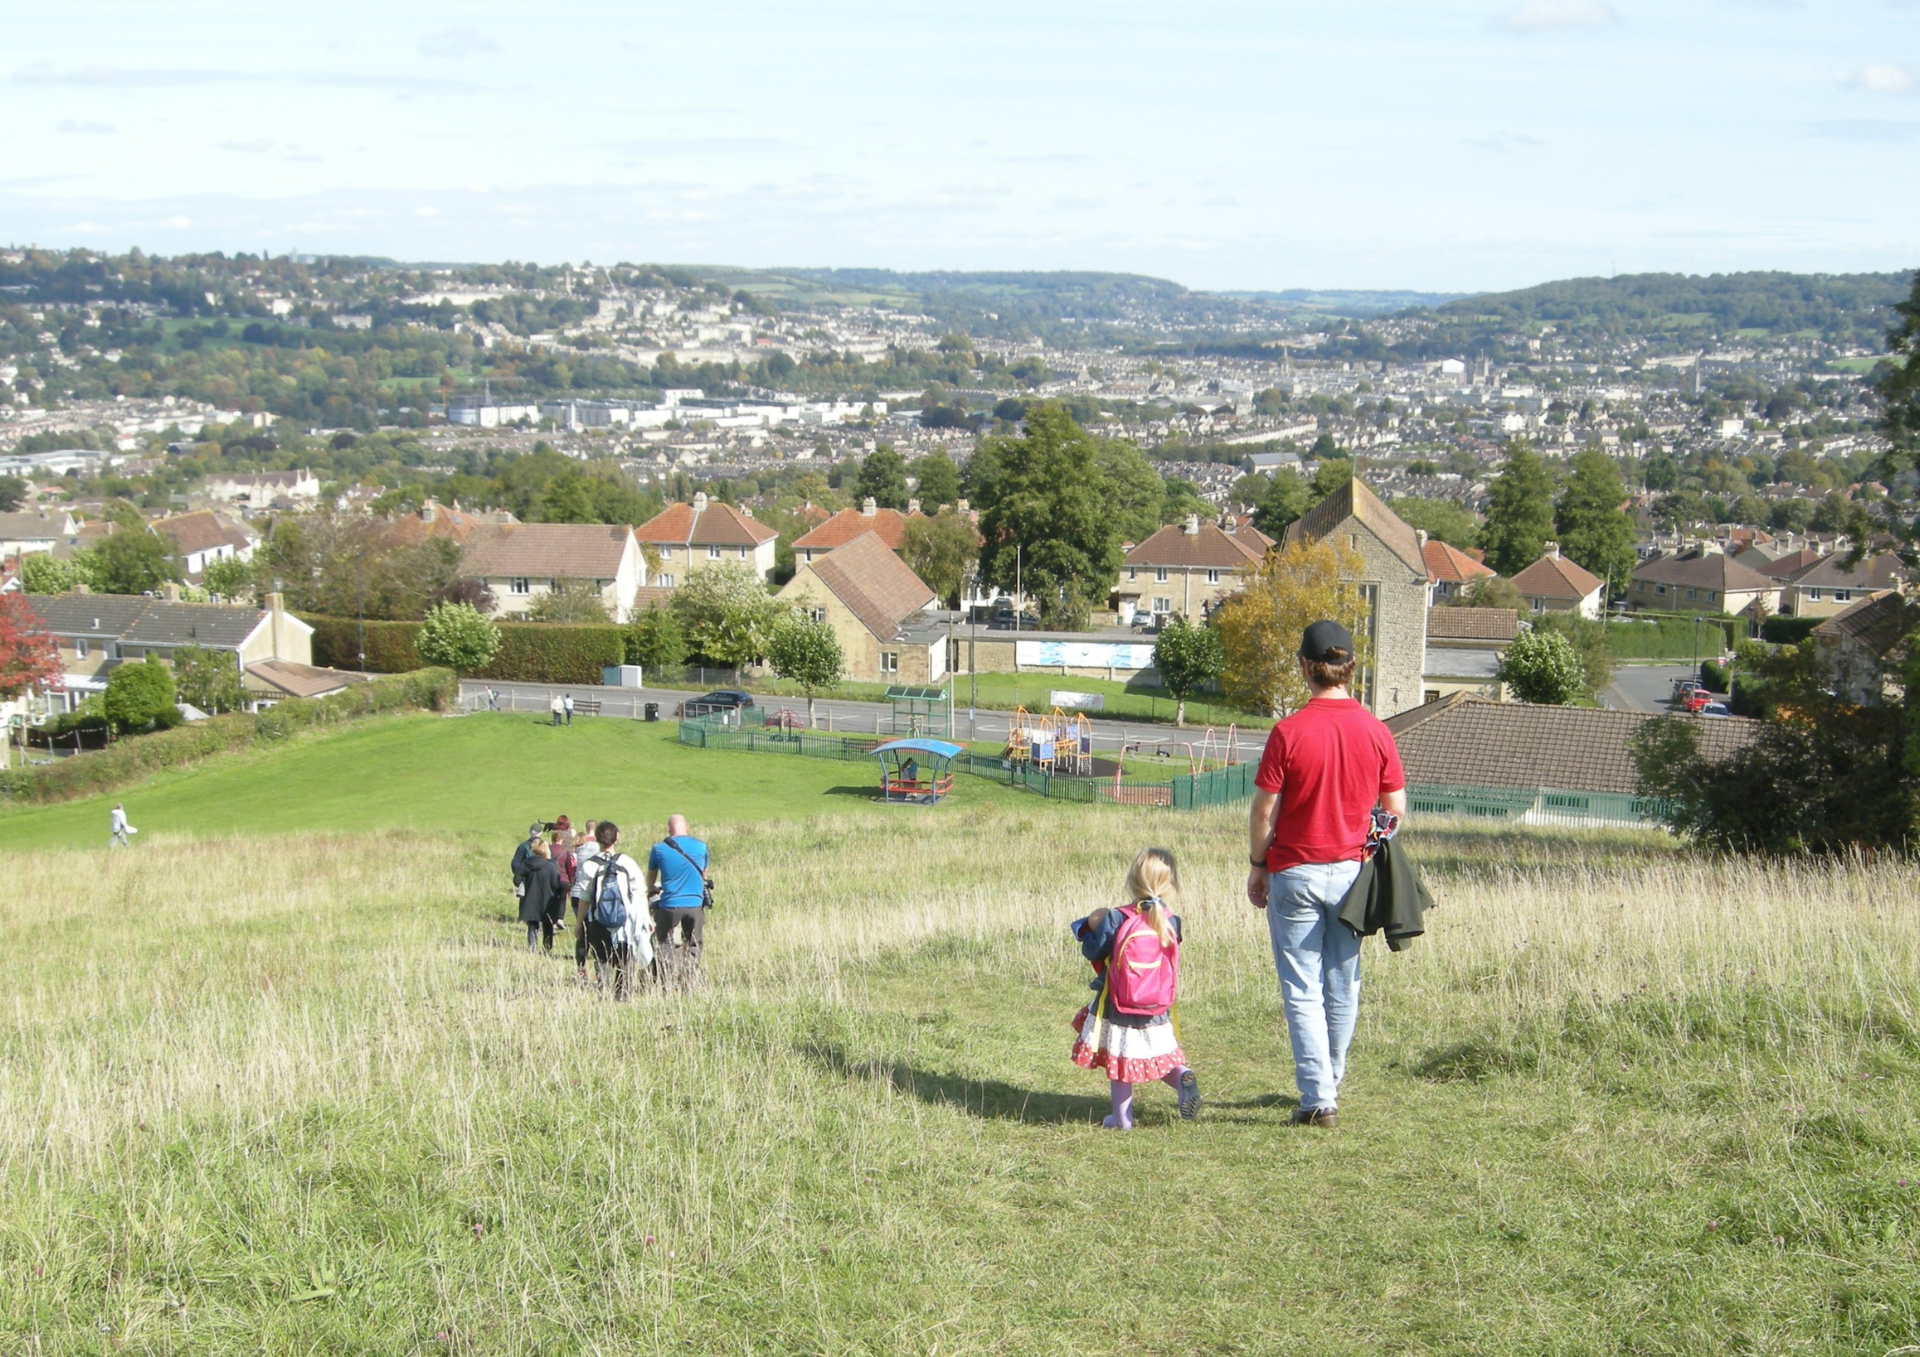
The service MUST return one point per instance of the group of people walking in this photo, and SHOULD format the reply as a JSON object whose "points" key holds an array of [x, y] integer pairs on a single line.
{"points": [[1330, 794], [626, 919]]}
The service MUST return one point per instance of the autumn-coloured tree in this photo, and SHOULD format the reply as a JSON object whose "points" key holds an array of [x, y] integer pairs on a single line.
{"points": [[29, 656], [1260, 626]]}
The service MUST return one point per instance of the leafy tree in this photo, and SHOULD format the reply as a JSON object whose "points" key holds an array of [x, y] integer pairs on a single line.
{"points": [[1542, 666], [40, 573], [1330, 476], [574, 601], [1490, 591], [938, 480], [208, 679], [29, 656], [456, 636], [566, 499], [140, 697], [1750, 510], [1519, 511], [808, 653], [1323, 448], [1260, 627], [1138, 499], [1441, 519], [654, 640], [1900, 388], [1286, 499], [940, 550], [1592, 528], [229, 578], [13, 493], [1790, 516], [1188, 658], [1048, 513], [727, 614], [346, 565], [1681, 509], [1589, 640], [883, 478], [131, 561]]}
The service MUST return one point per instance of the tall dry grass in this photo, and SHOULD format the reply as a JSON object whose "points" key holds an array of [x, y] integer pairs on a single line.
{"points": [[310, 1092]]}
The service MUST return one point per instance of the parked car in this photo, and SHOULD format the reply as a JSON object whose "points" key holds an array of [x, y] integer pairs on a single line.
{"points": [[1714, 709], [1697, 699], [719, 700]]}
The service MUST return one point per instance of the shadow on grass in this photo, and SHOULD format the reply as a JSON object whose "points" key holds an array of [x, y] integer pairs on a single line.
{"points": [[988, 1098], [865, 791]]}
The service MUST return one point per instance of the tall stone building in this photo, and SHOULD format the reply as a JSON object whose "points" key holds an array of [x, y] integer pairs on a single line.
{"points": [[1394, 582]]}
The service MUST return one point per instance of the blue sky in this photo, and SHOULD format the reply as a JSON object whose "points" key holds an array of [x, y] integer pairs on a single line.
{"points": [[1434, 145]]}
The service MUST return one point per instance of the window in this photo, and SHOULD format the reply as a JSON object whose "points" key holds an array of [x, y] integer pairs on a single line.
{"points": [[820, 614], [743, 553], [1692, 594], [663, 581], [1713, 595], [889, 661], [713, 553], [1659, 588], [1843, 595], [80, 648], [1814, 595], [1132, 574], [520, 584], [1163, 605], [1213, 577], [1159, 574], [1539, 604]]}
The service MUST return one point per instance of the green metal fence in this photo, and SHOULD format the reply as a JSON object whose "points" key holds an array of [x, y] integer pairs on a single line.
{"points": [[1534, 806], [1217, 787]]}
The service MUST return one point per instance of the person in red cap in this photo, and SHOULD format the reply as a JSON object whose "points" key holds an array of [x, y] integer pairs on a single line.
{"points": [[1324, 770]]}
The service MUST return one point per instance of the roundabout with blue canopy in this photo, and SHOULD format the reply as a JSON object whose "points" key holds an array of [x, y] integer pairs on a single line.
{"points": [[917, 771]]}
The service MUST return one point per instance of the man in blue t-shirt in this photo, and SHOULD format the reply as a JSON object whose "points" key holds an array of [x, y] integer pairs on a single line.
{"points": [[677, 889]]}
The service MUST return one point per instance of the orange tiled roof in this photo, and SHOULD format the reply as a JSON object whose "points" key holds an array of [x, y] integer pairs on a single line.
{"points": [[715, 525], [889, 525], [1557, 577], [1449, 565]]}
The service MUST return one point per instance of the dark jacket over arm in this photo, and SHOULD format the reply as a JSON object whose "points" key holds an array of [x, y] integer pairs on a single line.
{"points": [[1388, 897], [543, 890]]}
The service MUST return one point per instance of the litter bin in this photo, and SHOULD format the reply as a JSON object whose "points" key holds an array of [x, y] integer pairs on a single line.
{"points": [[653, 711]]}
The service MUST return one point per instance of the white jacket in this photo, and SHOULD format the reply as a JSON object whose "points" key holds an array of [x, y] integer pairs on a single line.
{"points": [[632, 881]]}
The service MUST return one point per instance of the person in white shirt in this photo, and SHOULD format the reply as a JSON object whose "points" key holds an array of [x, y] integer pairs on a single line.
{"points": [[612, 886], [119, 828], [566, 705], [556, 709]]}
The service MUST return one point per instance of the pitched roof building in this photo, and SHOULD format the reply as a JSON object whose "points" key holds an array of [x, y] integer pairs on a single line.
{"points": [[1450, 570], [1864, 646], [1393, 578], [1554, 584], [520, 562], [871, 599], [98, 632], [36, 530], [889, 525], [204, 536], [1700, 578], [1468, 741], [1827, 586], [1187, 568], [683, 538]]}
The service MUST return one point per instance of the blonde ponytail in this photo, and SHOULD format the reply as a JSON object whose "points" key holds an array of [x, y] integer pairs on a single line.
{"points": [[1150, 881]]}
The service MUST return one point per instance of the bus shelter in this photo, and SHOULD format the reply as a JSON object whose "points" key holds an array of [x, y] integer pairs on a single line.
{"points": [[920, 711]]}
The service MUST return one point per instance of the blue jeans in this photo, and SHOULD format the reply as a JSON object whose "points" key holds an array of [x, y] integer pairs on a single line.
{"points": [[1318, 959]]}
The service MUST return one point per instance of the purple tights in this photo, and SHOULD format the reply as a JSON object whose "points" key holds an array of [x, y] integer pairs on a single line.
{"points": [[1122, 1118]]}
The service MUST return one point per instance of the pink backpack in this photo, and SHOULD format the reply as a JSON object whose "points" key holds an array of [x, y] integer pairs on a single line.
{"points": [[1143, 973]]}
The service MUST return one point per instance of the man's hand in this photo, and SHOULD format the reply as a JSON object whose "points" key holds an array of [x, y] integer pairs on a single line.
{"points": [[1257, 887]]}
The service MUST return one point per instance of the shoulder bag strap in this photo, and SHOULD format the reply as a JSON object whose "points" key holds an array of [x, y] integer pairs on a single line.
{"points": [[688, 856]]}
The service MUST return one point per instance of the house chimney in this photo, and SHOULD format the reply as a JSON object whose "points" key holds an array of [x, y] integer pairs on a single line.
{"points": [[746, 511], [277, 616], [1421, 533], [1193, 525], [963, 507], [170, 592], [82, 589], [428, 512], [700, 501], [913, 506], [1553, 549], [869, 507]]}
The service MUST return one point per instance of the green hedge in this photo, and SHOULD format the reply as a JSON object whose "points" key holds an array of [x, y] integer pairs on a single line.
{"points": [[530, 652], [131, 759], [1788, 631], [1671, 638]]}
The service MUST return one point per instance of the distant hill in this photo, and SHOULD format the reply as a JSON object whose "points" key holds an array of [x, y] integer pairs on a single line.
{"points": [[1357, 302], [1841, 308]]}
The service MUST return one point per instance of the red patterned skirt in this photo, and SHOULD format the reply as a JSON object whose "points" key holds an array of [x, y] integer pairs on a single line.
{"points": [[1129, 1055]]}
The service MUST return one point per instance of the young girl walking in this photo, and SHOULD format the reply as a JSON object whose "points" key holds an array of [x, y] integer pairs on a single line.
{"points": [[1127, 1030]]}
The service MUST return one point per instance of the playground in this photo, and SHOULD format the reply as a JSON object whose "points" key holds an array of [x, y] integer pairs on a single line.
{"points": [[1059, 744]]}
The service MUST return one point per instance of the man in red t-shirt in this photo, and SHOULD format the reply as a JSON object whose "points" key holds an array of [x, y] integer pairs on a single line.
{"points": [[1324, 770]]}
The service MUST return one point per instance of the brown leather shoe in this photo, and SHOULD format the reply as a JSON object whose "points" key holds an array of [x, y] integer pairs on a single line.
{"points": [[1324, 1117]]}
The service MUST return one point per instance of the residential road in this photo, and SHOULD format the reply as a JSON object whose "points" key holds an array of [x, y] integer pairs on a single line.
{"points": [[1643, 687]]}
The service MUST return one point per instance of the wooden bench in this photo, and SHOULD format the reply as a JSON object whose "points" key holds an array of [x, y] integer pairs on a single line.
{"points": [[586, 706]]}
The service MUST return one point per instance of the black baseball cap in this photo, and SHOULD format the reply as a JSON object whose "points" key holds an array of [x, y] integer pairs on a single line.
{"points": [[1319, 641]]}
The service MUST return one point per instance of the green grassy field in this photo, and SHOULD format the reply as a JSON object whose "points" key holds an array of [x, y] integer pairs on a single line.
{"points": [[304, 1092], [486, 774]]}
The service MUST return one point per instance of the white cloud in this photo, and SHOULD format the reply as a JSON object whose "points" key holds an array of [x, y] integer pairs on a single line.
{"points": [[1546, 16], [85, 129], [1883, 79], [1507, 143], [454, 43], [255, 146]]}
